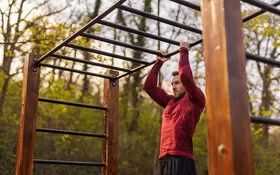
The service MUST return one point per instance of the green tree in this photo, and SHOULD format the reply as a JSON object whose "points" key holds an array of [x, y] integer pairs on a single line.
{"points": [[262, 38], [14, 25], [9, 127]]}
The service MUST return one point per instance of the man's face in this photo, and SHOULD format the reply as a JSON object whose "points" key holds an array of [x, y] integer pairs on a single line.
{"points": [[177, 87]]}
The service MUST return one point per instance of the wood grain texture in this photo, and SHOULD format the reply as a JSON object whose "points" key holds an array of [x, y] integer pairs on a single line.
{"points": [[111, 95], [27, 125], [229, 135]]}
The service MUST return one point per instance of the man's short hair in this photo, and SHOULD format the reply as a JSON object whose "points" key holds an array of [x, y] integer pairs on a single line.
{"points": [[175, 73]]}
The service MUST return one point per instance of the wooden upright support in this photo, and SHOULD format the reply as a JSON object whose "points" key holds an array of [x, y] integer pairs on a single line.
{"points": [[111, 95], [229, 136], [27, 125]]}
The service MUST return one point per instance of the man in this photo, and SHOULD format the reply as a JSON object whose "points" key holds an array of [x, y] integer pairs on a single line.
{"points": [[181, 114]]}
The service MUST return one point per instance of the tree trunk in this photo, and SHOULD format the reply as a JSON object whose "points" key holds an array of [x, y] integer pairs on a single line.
{"points": [[156, 167], [136, 84], [70, 81], [3, 94], [7, 61], [266, 104], [85, 88]]}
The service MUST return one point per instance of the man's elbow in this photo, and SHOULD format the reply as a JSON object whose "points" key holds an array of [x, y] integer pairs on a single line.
{"points": [[203, 101]]}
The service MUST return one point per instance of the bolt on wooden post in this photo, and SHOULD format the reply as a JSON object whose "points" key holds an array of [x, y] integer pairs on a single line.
{"points": [[229, 135]]}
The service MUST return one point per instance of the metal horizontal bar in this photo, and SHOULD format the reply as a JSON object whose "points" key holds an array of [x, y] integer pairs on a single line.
{"points": [[248, 56], [62, 162], [264, 6], [265, 120], [75, 70], [262, 59], [245, 19], [72, 103], [89, 62], [249, 17], [157, 18], [168, 55], [135, 70], [59, 131], [119, 43], [200, 41], [105, 53], [197, 7], [187, 4], [73, 36], [139, 32], [177, 51]]}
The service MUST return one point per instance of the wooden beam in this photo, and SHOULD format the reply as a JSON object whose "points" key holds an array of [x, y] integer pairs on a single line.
{"points": [[27, 125], [111, 95], [229, 135]]}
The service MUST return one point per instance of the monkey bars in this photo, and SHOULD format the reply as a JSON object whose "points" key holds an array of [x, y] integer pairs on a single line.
{"points": [[224, 151]]}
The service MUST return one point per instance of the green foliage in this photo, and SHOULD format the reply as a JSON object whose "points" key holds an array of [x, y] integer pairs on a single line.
{"points": [[45, 36], [136, 149], [200, 145], [266, 159], [9, 127], [262, 37], [62, 146], [140, 145]]}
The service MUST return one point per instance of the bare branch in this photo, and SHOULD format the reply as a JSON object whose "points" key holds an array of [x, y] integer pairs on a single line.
{"points": [[35, 8], [25, 42], [173, 35], [30, 24], [8, 28], [19, 16], [267, 43], [259, 69], [2, 20]]}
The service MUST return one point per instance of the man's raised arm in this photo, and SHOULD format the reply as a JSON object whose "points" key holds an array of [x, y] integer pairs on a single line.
{"points": [[186, 76], [150, 85]]}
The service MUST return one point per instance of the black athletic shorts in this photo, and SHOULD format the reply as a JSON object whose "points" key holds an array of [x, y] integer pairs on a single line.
{"points": [[177, 165]]}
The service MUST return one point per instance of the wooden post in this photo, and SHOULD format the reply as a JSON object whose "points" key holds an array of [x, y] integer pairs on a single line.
{"points": [[27, 125], [229, 135], [111, 95]]}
